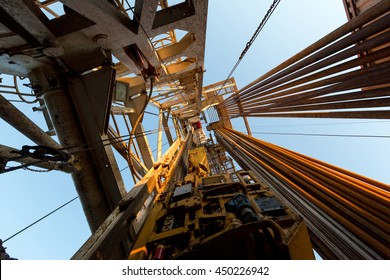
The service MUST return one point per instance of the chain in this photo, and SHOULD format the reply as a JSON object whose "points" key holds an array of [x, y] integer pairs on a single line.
{"points": [[37, 170], [248, 45], [260, 27]]}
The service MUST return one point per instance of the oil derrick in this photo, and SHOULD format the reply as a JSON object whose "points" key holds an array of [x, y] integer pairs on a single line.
{"points": [[94, 68]]}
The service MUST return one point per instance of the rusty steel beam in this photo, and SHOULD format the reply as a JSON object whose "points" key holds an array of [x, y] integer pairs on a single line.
{"points": [[22, 123], [345, 212], [16, 28]]}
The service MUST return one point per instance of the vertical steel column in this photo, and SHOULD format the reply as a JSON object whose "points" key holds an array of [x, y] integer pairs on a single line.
{"points": [[97, 141], [159, 136], [69, 132], [177, 128], [140, 137], [248, 129], [98, 202], [167, 130]]}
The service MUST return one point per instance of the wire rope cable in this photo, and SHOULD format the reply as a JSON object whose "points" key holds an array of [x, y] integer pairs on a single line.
{"points": [[40, 219], [265, 19]]}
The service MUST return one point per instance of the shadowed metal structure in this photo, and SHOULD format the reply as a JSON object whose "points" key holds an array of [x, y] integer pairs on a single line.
{"points": [[94, 67]]}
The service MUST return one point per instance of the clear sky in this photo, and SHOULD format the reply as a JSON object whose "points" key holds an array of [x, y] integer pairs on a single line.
{"points": [[26, 196]]}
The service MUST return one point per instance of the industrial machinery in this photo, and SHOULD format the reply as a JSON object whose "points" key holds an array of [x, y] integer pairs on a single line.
{"points": [[197, 217], [92, 67]]}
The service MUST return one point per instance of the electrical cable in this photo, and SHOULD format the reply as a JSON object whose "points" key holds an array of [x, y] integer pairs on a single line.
{"points": [[47, 215], [327, 135]]}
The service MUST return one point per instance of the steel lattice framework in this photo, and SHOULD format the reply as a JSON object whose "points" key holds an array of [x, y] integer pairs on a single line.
{"points": [[94, 103]]}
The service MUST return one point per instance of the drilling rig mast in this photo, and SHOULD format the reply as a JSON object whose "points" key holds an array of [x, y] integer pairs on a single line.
{"points": [[95, 67]]}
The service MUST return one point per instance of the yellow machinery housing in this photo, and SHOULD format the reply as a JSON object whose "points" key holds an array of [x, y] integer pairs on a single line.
{"points": [[201, 214]]}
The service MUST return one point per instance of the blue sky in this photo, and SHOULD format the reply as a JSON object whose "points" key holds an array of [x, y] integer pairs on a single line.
{"points": [[26, 196]]}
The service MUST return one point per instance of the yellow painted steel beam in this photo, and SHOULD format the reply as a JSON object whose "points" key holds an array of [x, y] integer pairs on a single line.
{"points": [[176, 48]]}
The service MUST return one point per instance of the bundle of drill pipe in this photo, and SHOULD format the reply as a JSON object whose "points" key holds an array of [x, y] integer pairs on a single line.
{"points": [[343, 75], [347, 214]]}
